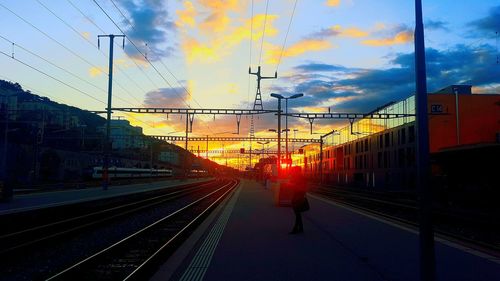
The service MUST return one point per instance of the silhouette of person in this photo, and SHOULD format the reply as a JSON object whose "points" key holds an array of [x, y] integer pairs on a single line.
{"points": [[299, 200]]}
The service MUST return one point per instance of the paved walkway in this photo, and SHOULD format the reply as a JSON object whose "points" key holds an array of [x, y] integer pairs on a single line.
{"points": [[56, 198], [249, 241]]}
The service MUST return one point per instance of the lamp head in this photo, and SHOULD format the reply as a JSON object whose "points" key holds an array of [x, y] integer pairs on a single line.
{"points": [[296, 96], [278, 96]]}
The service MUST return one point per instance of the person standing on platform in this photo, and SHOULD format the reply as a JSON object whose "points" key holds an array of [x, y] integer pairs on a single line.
{"points": [[299, 200]]}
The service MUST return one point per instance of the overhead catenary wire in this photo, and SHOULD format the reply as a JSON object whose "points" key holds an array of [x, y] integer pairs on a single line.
{"points": [[60, 68], [53, 64], [32, 89], [250, 56], [145, 57], [138, 50], [55, 41], [130, 23], [89, 19], [48, 36], [286, 35], [88, 41], [52, 77], [263, 32], [35, 91]]}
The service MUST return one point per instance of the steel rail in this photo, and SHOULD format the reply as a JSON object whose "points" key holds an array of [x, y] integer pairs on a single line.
{"points": [[81, 221], [137, 233]]}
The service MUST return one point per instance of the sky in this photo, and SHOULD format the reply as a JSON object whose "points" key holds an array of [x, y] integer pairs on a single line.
{"points": [[346, 55]]}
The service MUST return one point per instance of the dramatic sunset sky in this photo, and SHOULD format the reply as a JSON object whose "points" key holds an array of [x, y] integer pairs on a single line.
{"points": [[349, 55]]}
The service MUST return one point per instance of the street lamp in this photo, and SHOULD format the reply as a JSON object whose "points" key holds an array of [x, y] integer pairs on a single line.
{"points": [[280, 97]]}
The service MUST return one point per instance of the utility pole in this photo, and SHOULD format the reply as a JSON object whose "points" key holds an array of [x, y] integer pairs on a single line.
{"points": [[279, 97], [107, 144], [187, 132], [287, 157], [426, 232], [258, 95], [257, 102]]}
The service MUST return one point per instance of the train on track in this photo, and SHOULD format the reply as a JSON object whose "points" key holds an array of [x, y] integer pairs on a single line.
{"points": [[115, 172]]}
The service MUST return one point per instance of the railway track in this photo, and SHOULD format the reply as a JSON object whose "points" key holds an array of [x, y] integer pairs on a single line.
{"points": [[136, 256], [473, 230], [26, 232], [40, 243]]}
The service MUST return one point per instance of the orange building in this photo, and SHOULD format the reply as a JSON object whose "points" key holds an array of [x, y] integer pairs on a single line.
{"points": [[477, 122]]}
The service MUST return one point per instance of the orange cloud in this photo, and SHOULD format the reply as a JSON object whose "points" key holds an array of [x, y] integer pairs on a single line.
{"points": [[95, 71], [187, 16], [220, 44], [333, 3], [218, 19], [402, 37], [299, 48], [353, 32]]}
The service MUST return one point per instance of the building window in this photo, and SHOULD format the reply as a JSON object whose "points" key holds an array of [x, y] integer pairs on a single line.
{"points": [[366, 144], [387, 140], [411, 134], [380, 141], [401, 156], [410, 156], [387, 159], [403, 136], [379, 160]]}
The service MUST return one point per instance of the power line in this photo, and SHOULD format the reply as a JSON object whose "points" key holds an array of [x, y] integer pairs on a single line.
{"points": [[54, 40], [250, 56], [50, 76], [286, 35], [161, 62], [263, 32], [87, 40], [138, 50], [52, 63], [47, 35], [104, 32], [31, 89]]}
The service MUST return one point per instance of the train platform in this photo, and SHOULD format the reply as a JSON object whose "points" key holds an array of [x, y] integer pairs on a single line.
{"points": [[40, 200], [247, 238]]}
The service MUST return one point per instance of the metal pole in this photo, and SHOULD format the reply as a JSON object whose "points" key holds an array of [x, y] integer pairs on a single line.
{"points": [[286, 131], [457, 115], [151, 158], [250, 160], [321, 160], [207, 148], [279, 136], [187, 132], [426, 237], [108, 115]]}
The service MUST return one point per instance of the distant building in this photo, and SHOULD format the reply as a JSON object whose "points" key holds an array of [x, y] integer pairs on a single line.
{"points": [[125, 136], [170, 156], [8, 101]]}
